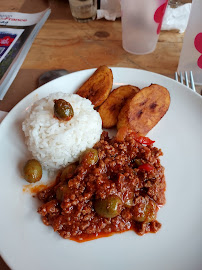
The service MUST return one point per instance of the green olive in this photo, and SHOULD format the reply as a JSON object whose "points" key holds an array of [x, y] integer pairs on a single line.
{"points": [[129, 203], [138, 161], [63, 110], [62, 191], [109, 207], [89, 157], [67, 172], [145, 212], [32, 171]]}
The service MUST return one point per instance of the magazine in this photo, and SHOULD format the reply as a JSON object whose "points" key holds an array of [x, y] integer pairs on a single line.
{"points": [[17, 33]]}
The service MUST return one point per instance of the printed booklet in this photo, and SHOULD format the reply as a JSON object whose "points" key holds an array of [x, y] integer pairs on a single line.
{"points": [[17, 33]]}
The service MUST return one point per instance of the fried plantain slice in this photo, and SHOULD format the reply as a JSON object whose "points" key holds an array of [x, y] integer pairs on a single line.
{"points": [[110, 109], [145, 109], [98, 86]]}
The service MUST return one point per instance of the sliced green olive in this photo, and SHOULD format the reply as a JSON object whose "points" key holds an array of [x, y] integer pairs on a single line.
{"points": [[109, 207], [62, 191], [32, 171], [89, 157], [67, 172], [63, 110], [145, 212]]}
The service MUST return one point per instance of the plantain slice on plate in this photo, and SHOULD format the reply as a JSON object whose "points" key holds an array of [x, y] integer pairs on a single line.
{"points": [[98, 86], [142, 112], [110, 109]]}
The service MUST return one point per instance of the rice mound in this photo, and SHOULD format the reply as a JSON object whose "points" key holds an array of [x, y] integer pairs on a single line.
{"points": [[58, 143]]}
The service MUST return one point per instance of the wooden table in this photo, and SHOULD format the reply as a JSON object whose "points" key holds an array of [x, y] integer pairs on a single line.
{"points": [[64, 43]]}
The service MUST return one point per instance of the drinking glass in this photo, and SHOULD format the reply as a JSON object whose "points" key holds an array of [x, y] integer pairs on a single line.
{"points": [[83, 10]]}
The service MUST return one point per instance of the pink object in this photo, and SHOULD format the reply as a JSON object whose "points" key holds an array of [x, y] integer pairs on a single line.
{"points": [[141, 24], [198, 46], [158, 16]]}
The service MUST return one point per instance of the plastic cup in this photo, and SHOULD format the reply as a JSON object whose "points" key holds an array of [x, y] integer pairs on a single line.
{"points": [[141, 24], [191, 54]]}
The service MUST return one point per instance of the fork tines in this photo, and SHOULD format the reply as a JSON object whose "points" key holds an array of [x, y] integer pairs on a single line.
{"points": [[185, 80]]}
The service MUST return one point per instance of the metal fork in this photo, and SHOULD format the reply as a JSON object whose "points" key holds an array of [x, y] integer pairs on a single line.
{"points": [[185, 78]]}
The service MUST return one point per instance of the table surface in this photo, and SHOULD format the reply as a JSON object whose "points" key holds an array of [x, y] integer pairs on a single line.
{"points": [[63, 43]]}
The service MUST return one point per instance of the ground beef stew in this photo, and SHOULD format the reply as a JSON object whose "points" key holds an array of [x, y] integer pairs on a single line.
{"points": [[118, 185]]}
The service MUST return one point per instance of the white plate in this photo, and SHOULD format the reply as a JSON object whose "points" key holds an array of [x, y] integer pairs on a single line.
{"points": [[26, 243]]}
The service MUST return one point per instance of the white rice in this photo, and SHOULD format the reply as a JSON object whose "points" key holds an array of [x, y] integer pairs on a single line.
{"points": [[58, 143]]}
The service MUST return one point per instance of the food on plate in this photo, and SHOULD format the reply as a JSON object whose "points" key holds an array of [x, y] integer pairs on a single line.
{"points": [[109, 207], [110, 109], [89, 157], [56, 144], [98, 86], [32, 171], [142, 112], [67, 172], [117, 185], [63, 110], [145, 210], [104, 184]]}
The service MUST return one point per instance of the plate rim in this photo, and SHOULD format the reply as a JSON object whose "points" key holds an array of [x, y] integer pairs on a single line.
{"points": [[92, 70]]}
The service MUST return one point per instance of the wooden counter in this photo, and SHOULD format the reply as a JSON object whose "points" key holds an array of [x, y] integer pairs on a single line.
{"points": [[64, 43]]}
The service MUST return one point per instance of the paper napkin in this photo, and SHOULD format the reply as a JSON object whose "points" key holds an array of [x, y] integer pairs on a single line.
{"points": [[109, 9], [174, 18]]}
